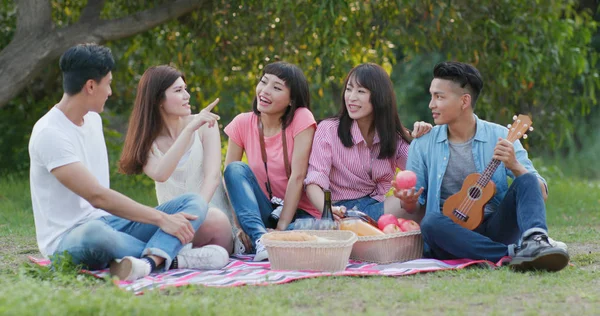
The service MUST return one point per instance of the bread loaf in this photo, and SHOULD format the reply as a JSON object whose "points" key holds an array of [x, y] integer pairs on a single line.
{"points": [[291, 236]]}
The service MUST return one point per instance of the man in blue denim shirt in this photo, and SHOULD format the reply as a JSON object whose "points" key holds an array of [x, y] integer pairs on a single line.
{"points": [[515, 219]]}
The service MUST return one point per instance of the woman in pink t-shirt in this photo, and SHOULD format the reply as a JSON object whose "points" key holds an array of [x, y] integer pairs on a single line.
{"points": [[276, 137], [355, 154]]}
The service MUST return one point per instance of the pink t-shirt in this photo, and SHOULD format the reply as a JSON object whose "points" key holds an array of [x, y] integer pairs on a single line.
{"points": [[244, 132], [355, 172]]}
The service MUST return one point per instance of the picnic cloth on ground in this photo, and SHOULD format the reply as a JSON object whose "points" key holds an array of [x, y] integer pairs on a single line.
{"points": [[242, 271]]}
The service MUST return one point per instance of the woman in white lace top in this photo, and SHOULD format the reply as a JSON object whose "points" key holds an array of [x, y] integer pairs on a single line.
{"points": [[179, 150]]}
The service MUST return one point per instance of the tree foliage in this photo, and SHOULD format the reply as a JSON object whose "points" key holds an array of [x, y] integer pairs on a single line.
{"points": [[535, 56], [38, 40]]}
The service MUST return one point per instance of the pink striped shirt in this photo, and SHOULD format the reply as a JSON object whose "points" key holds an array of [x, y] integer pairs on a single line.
{"points": [[355, 172]]}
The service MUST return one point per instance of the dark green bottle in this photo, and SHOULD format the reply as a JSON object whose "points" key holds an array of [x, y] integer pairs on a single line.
{"points": [[327, 222], [327, 211]]}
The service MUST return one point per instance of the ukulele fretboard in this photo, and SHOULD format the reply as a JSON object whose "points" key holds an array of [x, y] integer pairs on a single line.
{"points": [[488, 172]]}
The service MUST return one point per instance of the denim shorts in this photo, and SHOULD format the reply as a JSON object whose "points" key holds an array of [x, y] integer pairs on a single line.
{"points": [[367, 205]]}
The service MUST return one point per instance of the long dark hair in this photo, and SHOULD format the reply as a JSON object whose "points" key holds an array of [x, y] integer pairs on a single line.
{"points": [[146, 121], [295, 81], [385, 116]]}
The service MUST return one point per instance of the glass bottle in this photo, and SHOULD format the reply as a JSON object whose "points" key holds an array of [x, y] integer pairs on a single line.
{"points": [[327, 222]]}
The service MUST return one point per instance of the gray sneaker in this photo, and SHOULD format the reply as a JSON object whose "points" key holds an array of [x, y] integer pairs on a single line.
{"points": [[536, 253], [558, 244]]}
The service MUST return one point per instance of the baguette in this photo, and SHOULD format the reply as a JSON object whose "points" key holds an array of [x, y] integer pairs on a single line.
{"points": [[291, 236]]}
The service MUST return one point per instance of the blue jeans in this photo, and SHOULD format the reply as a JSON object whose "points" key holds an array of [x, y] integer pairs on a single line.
{"points": [[252, 207], [367, 205], [521, 212], [96, 243]]}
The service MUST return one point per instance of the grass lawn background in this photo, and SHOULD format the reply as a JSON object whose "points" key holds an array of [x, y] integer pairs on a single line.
{"points": [[573, 217]]}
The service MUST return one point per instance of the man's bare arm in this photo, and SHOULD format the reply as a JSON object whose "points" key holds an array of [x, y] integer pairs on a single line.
{"points": [[78, 179]]}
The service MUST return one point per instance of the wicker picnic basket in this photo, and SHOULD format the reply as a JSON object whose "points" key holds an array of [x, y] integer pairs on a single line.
{"points": [[331, 255], [398, 247]]}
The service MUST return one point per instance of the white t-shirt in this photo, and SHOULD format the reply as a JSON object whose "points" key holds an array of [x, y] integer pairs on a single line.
{"points": [[56, 141]]}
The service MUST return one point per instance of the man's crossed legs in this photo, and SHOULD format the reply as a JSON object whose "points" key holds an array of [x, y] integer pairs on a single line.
{"points": [[516, 229], [121, 243]]}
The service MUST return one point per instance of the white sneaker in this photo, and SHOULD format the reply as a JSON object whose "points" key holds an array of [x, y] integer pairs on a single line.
{"points": [[186, 247], [209, 257], [557, 244], [129, 268], [261, 251]]}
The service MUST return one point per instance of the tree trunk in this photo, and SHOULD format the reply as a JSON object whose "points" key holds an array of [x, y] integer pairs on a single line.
{"points": [[33, 48]]}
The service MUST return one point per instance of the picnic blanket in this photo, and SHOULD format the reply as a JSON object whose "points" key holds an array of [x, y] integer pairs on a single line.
{"points": [[242, 271]]}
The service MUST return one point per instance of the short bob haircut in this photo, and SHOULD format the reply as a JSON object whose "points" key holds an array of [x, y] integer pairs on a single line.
{"points": [[295, 81]]}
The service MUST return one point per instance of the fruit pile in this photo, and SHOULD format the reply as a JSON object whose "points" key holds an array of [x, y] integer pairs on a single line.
{"points": [[387, 224]]}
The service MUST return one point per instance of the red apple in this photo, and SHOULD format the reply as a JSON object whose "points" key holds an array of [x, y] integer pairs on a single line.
{"points": [[405, 180], [385, 220], [409, 225], [391, 229], [400, 221]]}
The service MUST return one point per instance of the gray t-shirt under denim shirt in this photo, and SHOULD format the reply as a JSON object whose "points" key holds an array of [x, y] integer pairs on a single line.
{"points": [[460, 165]]}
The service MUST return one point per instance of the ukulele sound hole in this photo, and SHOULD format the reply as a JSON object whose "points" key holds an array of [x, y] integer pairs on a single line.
{"points": [[474, 193]]}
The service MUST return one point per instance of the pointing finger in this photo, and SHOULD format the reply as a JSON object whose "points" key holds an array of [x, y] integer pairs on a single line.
{"points": [[212, 105]]}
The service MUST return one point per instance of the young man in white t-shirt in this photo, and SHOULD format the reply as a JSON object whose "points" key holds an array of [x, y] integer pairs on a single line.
{"points": [[76, 212]]}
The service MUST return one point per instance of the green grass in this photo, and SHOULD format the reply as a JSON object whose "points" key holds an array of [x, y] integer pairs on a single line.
{"points": [[573, 217]]}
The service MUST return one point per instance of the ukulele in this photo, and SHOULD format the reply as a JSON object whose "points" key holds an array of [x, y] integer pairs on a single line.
{"points": [[466, 206]]}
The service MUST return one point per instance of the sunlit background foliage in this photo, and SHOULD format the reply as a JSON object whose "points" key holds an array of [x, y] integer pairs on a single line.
{"points": [[537, 57]]}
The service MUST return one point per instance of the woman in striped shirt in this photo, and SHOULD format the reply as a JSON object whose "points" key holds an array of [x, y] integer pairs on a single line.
{"points": [[355, 154]]}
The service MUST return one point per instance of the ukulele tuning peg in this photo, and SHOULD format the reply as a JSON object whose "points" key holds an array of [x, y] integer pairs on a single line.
{"points": [[531, 128], [518, 121], [525, 136], [509, 125], [514, 117]]}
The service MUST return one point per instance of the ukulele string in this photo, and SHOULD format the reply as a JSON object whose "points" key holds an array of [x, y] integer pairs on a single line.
{"points": [[468, 203], [479, 187]]}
